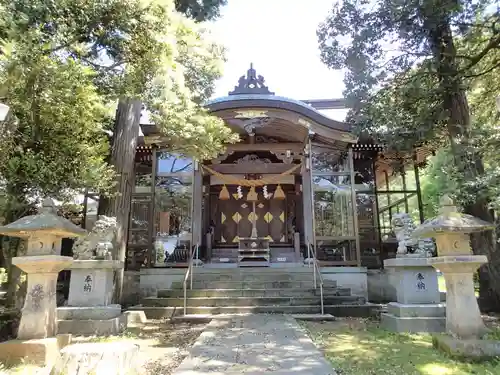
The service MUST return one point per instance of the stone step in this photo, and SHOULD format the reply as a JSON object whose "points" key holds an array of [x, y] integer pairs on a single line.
{"points": [[206, 318], [286, 292], [202, 284], [255, 276], [364, 310], [314, 317], [251, 301]]}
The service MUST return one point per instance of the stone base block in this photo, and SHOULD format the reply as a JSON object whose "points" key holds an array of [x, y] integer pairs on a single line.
{"points": [[89, 312], [134, 317], [111, 358], [38, 352], [431, 310], [471, 348], [415, 324], [105, 327], [415, 281]]}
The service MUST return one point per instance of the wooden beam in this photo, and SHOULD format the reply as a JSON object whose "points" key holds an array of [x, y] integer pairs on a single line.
{"points": [[294, 147], [256, 168]]}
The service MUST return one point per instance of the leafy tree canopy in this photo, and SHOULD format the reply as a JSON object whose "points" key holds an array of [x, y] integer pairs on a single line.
{"points": [[64, 64], [402, 57], [408, 65], [200, 10]]}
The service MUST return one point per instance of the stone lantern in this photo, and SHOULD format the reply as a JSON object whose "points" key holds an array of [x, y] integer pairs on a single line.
{"points": [[42, 263], [451, 230]]}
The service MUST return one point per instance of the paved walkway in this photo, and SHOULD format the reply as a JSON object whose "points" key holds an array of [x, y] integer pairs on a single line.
{"points": [[254, 344]]}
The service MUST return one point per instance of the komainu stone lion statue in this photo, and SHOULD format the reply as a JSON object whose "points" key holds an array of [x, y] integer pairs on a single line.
{"points": [[403, 227], [103, 231]]}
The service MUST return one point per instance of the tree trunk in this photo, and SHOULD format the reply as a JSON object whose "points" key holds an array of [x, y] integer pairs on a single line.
{"points": [[125, 134], [467, 160]]}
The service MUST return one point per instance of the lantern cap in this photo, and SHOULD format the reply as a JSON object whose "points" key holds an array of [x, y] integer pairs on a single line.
{"points": [[45, 222], [450, 220]]}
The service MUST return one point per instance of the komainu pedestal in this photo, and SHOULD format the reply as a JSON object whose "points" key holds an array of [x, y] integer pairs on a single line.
{"points": [[417, 307], [90, 310]]}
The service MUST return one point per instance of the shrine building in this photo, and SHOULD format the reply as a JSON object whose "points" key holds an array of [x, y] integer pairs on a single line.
{"points": [[297, 185]]}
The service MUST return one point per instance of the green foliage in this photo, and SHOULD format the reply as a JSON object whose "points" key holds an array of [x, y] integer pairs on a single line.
{"points": [[203, 10], [408, 65], [66, 62], [57, 145], [438, 178]]}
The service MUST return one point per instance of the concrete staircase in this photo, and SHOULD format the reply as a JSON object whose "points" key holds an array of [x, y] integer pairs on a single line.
{"points": [[253, 290]]}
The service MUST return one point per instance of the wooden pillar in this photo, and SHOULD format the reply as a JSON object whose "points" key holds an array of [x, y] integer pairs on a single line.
{"points": [[376, 214], [387, 187], [207, 216], [85, 208], [419, 191], [307, 198], [125, 135], [403, 176], [152, 209], [354, 207], [196, 218]]}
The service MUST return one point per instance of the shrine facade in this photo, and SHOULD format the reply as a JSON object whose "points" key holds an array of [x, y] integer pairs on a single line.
{"points": [[297, 180]]}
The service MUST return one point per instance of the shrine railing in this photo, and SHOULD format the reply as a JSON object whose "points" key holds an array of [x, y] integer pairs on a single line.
{"points": [[316, 274], [189, 274]]}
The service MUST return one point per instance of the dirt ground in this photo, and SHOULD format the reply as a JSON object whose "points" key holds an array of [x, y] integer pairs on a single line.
{"points": [[162, 345]]}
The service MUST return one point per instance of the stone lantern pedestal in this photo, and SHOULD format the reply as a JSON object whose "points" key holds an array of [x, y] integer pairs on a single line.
{"points": [[36, 339], [464, 324], [417, 307], [40, 303], [89, 310], [463, 317]]}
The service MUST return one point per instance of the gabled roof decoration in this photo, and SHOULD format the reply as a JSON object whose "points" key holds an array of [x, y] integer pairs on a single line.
{"points": [[251, 84]]}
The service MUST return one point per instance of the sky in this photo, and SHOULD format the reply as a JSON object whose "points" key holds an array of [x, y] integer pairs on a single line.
{"points": [[279, 38]]}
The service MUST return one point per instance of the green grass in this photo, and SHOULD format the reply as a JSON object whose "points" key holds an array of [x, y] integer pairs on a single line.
{"points": [[360, 347]]}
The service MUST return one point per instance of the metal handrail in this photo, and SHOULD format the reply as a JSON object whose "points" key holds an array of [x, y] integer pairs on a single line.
{"points": [[316, 268], [189, 274]]}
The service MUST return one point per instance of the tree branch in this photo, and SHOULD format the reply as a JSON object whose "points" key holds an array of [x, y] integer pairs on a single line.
{"points": [[497, 65], [493, 43]]}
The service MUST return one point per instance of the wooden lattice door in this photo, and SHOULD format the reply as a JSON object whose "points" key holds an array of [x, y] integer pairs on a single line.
{"points": [[233, 219]]}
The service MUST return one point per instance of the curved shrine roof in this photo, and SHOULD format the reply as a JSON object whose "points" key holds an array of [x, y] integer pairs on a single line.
{"points": [[251, 93]]}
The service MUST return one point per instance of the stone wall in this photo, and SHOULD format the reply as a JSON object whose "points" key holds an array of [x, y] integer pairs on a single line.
{"points": [[348, 277], [131, 288], [380, 289], [153, 279]]}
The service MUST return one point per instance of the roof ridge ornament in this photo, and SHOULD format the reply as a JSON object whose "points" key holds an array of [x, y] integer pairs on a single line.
{"points": [[251, 84]]}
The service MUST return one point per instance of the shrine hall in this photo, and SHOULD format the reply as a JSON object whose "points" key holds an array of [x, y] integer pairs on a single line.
{"points": [[297, 182]]}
